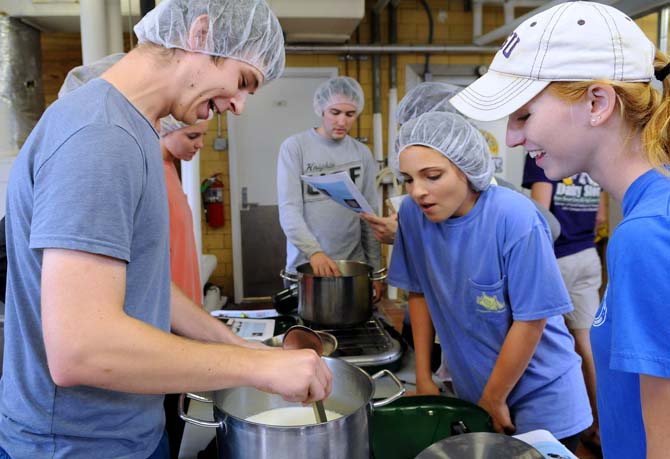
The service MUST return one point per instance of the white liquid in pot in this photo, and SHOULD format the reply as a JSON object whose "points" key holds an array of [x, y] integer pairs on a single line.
{"points": [[290, 416]]}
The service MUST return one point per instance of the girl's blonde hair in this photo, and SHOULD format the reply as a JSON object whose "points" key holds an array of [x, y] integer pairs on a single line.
{"points": [[641, 106]]}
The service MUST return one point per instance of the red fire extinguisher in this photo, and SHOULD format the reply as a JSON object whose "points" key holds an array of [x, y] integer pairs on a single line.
{"points": [[212, 198]]}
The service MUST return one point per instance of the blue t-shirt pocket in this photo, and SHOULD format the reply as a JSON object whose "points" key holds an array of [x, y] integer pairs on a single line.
{"points": [[490, 314]]}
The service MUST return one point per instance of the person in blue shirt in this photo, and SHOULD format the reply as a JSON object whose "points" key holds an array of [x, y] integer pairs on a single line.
{"points": [[91, 319], [577, 108], [478, 260], [576, 202]]}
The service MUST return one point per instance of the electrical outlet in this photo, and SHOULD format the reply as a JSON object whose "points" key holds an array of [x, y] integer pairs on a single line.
{"points": [[220, 143]]}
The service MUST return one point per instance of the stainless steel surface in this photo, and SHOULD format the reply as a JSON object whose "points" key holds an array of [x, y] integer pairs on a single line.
{"points": [[336, 301], [480, 445], [365, 345], [343, 438]]}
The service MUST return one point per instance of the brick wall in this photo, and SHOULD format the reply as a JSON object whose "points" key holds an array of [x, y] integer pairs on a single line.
{"points": [[60, 52]]}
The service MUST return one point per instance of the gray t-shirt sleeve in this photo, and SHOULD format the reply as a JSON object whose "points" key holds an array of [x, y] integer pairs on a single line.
{"points": [[370, 244], [289, 192], [99, 198]]}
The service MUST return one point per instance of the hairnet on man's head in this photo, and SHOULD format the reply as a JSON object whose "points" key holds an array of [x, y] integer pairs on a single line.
{"points": [[430, 96], [338, 90], [81, 75], [245, 30], [454, 137]]}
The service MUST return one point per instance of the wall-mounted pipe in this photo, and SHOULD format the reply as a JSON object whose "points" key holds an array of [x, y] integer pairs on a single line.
{"points": [[392, 131], [114, 26], [390, 49], [377, 132], [393, 78], [429, 13], [477, 19], [93, 30], [663, 22], [21, 88]]}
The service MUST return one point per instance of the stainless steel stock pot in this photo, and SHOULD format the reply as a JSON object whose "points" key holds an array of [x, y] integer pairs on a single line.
{"points": [[336, 301], [343, 438]]}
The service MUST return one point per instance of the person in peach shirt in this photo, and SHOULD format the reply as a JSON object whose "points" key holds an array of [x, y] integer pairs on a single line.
{"points": [[180, 141]]}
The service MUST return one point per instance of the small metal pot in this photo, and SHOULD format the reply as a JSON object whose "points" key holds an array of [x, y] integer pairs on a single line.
{"points": [[336, 301], [343, 438], [328, 341]]}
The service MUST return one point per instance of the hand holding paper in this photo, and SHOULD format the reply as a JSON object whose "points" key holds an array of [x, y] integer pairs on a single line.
{"points": [[340, 188]]}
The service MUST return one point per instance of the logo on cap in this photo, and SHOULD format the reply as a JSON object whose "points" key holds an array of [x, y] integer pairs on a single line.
{"points": [[510, 44]]}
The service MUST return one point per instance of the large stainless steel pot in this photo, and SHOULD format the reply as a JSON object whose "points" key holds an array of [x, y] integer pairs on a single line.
{"points": [[343, 438], [336, 301]]}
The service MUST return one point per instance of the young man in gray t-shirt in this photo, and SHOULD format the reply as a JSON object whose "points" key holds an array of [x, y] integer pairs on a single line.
{"points": [[89, 305], [318, 230]]}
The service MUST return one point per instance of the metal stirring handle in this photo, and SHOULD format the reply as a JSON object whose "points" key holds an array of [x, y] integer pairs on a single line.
{"points": [[300, 337]]}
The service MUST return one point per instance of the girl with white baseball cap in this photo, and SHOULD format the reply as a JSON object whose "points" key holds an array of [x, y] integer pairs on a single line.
{"points": [[575, 81]]}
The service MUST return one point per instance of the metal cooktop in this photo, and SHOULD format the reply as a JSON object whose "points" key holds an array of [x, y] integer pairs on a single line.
{"points": [[366, 344]]}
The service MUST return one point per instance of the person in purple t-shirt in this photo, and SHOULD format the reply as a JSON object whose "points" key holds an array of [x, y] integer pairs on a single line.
{"points": [[577, 205]]}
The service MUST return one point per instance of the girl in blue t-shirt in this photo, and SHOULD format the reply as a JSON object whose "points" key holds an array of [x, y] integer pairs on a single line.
{"points": [[577, 108], [479, 262]]}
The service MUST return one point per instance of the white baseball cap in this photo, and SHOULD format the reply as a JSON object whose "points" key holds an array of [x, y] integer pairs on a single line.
{"points": [[573, 41]]}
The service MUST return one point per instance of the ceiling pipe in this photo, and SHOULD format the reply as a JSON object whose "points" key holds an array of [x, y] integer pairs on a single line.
{"points": [[504, 31], [633, 8], [390, 49]]}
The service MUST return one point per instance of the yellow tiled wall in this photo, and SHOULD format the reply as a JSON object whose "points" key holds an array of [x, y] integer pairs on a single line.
{"points": [[62, 51]]}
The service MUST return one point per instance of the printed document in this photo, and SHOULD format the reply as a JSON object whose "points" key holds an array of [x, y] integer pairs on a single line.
{"points": [[340, 188]]}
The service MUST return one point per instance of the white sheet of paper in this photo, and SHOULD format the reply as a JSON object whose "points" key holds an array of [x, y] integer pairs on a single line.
{"points": [[252, 329], [340, 188], [253, 314], [546, 443]]}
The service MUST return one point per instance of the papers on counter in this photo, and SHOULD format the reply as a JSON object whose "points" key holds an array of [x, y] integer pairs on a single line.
{"points": [[254, 314], [547, 444], [252, 329], [340, 188]]}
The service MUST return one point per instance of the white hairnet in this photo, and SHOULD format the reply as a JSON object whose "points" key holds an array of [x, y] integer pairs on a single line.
{"points": [[245, 30], [78, 76], [170, 124], [454, 137], [430, 96], [338, 90]]}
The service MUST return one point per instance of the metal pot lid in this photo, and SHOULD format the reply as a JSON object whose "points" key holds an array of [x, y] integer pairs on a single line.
{"points": [[480, 445]]}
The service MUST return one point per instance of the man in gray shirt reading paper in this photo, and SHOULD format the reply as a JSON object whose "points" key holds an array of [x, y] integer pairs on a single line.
{"points": [[318, 230]]}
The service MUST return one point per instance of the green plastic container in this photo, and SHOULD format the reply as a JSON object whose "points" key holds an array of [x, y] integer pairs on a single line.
{"points": [[404, 428]]}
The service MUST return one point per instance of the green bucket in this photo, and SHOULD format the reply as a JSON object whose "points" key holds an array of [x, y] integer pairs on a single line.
{"points": [[404, 428]]}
